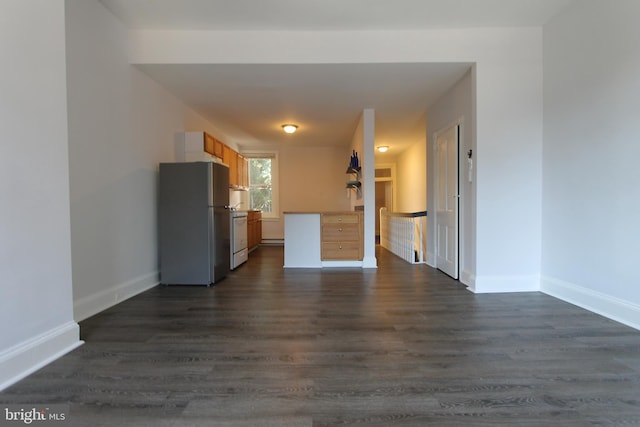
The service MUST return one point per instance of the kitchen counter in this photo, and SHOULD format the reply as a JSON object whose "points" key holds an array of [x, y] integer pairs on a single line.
{"points": [[321, 239], [317, 212], [302, 240]]}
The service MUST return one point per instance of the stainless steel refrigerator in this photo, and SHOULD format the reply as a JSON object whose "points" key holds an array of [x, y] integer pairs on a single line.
{"points": [[193, 223]]}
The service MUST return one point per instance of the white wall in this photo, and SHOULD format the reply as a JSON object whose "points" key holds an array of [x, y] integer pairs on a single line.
{"points": [[357, 145], [35, 250], [591, 202], [368, 164], [363, 143], [508, 79], [121, 125], [508, 167], [453, 107]]}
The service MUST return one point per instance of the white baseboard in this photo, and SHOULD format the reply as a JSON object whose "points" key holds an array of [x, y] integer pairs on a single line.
{"points": [[27, 357], [610, 307], [86, 307], [369, 262], [329, 264], [469, 279], [498, 284], [272, 242], [431, 259]]}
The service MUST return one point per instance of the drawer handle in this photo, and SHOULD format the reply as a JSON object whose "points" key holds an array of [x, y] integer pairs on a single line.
{"points": [[339, 219], [340, 246], [340, 229]]}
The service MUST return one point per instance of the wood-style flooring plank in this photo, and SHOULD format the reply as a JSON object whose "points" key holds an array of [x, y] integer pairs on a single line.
{"points": [[399, 345]]}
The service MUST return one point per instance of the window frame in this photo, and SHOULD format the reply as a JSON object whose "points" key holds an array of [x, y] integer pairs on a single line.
{"points": [[275, 182]]}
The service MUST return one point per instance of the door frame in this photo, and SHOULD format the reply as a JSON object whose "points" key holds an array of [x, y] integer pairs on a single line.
{"points": [[392, 178], [459, 123]]}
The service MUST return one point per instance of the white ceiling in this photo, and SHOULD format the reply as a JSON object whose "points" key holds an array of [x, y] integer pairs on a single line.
{"points": [[331, 14], [248, 102]]}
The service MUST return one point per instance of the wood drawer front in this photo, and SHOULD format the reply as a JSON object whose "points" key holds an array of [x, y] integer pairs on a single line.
{"points": [[340, 232], [341, 251], [340, 218]]}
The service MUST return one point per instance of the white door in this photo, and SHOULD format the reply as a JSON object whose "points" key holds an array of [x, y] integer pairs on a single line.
{"points": [[447, 201]]}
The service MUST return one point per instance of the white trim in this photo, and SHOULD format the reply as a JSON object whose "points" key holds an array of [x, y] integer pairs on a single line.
{"points": [[458, 124], [346, 263], [315, 266], [610, 307], [93, 304], [392, 179], [498, 284], [468, 278], [272, 242], [274, 155], [431, 259], [369, 262], [27, 357]]}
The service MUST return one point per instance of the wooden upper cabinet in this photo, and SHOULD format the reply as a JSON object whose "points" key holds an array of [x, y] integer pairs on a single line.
{"points": [[230, 157], [243, 171], [218, 148], [195, 142], [246, 173], [226, 154], [209, 144], [238, 164]]}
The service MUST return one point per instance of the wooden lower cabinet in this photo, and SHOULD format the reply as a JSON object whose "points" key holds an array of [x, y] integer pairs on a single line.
{"points": [[341, 236], [340, 251], [254, 229]]}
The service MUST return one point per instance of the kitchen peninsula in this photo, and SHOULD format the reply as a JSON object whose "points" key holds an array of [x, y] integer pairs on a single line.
{"points": [[323, 239]]}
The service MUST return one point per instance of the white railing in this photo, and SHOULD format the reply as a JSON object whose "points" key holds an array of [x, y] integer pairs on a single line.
{"points": [[402, 234]]}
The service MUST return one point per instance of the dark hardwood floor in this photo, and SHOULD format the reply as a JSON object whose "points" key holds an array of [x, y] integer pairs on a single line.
{"points": [[400, 345]]}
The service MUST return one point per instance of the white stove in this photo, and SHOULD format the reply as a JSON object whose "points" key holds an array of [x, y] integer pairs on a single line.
{"points": [[239, 251]]}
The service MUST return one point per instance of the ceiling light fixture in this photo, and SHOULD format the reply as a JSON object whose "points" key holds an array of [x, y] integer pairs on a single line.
{"points": [[289, 128], [383, 148]]}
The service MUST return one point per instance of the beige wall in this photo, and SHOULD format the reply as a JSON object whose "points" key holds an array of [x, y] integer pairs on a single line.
{"points": [[411, 182], [311, 179], [411, 175]]}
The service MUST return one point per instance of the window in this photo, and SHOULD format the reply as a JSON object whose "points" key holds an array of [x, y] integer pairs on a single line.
{"points": [[263, 183]]}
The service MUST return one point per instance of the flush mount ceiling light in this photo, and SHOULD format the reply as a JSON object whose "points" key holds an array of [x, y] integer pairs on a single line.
{"points": [[289, 128], [383, 148]]}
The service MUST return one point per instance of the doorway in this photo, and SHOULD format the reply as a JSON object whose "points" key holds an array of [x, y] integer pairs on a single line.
{"points": [[384, 191], [384, 199]]}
